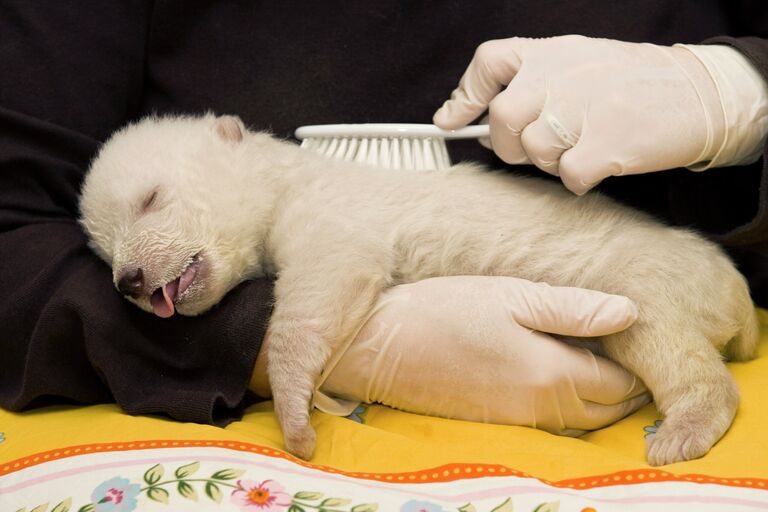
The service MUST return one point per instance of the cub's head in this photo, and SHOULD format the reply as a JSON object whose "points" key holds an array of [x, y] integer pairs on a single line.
{"points": [[169, 205]]}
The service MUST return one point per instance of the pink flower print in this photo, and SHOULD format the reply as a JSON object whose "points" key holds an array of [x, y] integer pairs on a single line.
{"points": [[266, 496], [115, 495]]}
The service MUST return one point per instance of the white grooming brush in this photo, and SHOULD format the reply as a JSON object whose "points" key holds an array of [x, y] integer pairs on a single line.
{"points": [[392, 146]]}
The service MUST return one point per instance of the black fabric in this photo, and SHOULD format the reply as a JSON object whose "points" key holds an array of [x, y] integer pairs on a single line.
{"points": [[73, 73], [70, 77]]}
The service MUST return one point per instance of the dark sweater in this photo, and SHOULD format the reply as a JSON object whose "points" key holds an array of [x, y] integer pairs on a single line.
{"points": [[72, 76]]}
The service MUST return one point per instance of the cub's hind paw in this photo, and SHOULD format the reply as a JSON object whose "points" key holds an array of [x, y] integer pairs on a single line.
{"points": [[677, 443]]}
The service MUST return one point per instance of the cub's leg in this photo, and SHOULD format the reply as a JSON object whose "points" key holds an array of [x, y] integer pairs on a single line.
{"points": [[317, 306], [690, 384]]}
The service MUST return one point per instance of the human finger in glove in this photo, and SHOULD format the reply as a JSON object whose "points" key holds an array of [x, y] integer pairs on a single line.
{"points": [[585, 109], [477, 349]]}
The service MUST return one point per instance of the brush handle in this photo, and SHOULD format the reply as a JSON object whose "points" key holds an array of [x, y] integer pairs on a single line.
{"points": [[370, 130]]}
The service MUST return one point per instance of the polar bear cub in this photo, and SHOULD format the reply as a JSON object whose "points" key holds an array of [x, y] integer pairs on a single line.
{"points": [[185, 208]]}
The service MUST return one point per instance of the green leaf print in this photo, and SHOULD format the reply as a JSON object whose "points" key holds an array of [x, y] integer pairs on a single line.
{"points": [[228, 474], [63, 506], [154, 474], [187, 491], [158, 494], [334, 502], [504, 507], [213, 492], [365, 507], [189, 469], [308, 495]]}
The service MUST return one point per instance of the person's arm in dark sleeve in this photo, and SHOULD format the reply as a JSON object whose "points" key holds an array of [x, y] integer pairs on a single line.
{"points": [[739, 67], [743, 190], [70, 78]]}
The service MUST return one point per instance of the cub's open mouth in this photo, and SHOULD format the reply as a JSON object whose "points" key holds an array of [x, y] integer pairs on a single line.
{"points": [[164, 298]]}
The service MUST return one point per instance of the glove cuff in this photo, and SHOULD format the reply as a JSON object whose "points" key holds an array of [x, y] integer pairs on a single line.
{"points": [[744, 101]]}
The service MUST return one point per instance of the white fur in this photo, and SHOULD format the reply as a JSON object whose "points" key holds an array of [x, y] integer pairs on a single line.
{"points": [[336, 234]]}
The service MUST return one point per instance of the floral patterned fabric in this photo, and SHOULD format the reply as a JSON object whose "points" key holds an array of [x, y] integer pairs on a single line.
{"points": [[262, 479]]}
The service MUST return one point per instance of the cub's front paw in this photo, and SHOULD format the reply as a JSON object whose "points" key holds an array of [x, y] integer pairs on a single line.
{"points": [[298, 434], [300, 440]]}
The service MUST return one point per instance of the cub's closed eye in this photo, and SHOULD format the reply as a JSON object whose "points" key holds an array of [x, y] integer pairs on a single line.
{"points": [[149, 200]]}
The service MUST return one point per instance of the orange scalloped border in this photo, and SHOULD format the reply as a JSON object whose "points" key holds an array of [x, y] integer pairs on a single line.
{"points": [[444, 473]]}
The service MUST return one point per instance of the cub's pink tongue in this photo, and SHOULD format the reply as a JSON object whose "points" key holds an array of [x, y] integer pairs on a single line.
{"points": [[162, 303]]}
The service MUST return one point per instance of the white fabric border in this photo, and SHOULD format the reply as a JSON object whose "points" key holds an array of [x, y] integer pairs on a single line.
{"points": [[77, 477]]}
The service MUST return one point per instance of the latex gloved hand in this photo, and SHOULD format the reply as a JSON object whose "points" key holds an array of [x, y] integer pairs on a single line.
{"points": [[586, 109], [472, 348]]}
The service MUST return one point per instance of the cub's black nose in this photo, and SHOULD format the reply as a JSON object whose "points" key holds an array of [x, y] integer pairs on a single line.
{"points": [[131, 283]]}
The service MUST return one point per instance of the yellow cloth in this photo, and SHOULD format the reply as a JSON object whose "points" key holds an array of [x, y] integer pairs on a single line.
{"points": [[390, 441]]}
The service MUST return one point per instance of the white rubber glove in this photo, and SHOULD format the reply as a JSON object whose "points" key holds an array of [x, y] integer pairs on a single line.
{"points": [[586, 109], [471, 348]]}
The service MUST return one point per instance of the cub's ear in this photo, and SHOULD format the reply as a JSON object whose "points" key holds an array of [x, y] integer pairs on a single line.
{"points": [[229, 128]]}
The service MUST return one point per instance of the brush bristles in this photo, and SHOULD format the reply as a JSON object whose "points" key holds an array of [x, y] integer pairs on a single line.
{"points": [[417, 153]]}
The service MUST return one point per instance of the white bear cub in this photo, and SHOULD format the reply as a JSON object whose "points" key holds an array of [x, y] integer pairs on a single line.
{"points": [[185, 208]]}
